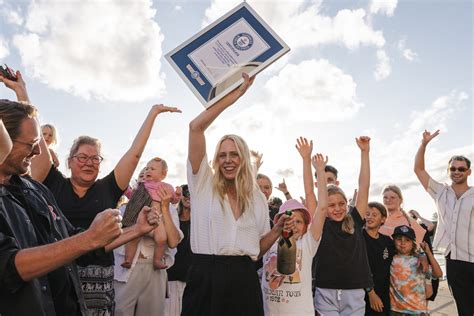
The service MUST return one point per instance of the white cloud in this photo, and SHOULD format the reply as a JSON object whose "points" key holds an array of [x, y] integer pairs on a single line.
{"points": [[107, 50], [4, 51], [322, 92], [177, 7], [383, 6], [437, 116], [383, 68], [407, 53], [12, 14], [397, 154], [349, 27], [13, 17]]}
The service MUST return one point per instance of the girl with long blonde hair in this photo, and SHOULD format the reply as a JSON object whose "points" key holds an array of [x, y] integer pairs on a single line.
{"points": [[230, 227], [342, 270]]}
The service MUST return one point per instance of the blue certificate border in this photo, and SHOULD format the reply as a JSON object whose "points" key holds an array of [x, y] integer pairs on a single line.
{"points": [[179, 57]]}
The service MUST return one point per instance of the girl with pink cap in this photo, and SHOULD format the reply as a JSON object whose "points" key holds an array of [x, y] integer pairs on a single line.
{"points": [[291, 294]]}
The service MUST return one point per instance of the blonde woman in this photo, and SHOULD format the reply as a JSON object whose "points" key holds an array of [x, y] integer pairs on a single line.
{"points": [[392, 200], [230, 226], [50, 136]]}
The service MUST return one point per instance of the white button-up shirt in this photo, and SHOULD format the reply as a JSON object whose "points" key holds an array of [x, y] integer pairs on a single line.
{"points": [[455, 230], [214, 230]]}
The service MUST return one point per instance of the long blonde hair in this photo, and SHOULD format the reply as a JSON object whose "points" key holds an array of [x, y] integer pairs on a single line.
{"points": [[348, 224], [244, 182]]}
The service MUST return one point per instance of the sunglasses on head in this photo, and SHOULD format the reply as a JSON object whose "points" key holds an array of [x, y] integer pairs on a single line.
{"points": [[460, 169]]}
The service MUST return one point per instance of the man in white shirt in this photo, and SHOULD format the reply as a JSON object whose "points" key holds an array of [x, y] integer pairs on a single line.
{"points": [[455, 232]]}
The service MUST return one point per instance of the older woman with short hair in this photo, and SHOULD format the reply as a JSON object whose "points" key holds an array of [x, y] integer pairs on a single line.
{"points": [[82, 196]]}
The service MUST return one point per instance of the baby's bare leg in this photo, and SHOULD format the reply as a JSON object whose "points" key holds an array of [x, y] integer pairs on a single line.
{"points": [[130, 249], [160, 238]]}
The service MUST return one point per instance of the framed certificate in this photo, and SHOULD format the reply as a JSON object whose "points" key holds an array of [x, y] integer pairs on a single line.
{"points": [[211, 63]]}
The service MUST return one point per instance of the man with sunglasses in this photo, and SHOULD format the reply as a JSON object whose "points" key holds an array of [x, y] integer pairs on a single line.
{"points": [[455, 232]]}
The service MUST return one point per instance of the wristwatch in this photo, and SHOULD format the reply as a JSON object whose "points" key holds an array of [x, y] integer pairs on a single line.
{"points": [[368, 289]]}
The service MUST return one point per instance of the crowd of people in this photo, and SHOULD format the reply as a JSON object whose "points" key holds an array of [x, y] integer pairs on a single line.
{"points": [[80, 245]]}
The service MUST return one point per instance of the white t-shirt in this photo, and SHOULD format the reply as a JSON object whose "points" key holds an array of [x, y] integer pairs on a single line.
{"points": [[289, 295], [214, 230]]}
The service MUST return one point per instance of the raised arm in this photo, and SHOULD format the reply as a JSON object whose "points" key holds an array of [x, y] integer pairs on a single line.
{"points": [[197, 127], [284, 189], [18, 86], [419, 168], [364, 175], [5, 142], [305, 149], [257, 159], [321, 212], [128, 163], [40, 164]]}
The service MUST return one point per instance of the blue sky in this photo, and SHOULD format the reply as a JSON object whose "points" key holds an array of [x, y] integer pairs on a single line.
{"points": [[388, 69]]}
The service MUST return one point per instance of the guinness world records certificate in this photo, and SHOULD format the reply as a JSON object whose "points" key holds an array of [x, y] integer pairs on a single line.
{"points": [[211, 62]]}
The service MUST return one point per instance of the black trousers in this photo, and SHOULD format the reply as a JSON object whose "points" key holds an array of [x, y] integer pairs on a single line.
{"points": [[222, 285], [460, 276]]}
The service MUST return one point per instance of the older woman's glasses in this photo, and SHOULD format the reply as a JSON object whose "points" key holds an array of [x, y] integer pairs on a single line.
{"points": [[96, 159]]}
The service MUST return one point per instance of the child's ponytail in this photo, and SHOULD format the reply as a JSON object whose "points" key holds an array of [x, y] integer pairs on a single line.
{"points": [[348, 225]]}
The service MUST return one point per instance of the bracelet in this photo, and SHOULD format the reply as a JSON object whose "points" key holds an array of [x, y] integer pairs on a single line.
{"points": [[287, 193]]}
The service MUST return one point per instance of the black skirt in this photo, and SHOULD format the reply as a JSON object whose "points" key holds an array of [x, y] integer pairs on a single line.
{"points": [[222, 285]]}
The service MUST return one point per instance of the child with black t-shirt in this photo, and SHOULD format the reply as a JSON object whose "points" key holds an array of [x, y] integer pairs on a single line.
{"points": [[342, 269], [380, 251]]}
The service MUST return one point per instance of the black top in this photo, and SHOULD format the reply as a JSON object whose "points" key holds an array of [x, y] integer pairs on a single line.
{"points": [[380, 253], [183, 257], [342, 258], [30, 217], [103, 194]]}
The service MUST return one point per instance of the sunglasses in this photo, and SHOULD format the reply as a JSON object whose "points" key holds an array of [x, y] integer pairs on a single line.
{"points": [[460, 169]]}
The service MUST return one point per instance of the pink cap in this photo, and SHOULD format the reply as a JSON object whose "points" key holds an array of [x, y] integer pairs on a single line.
{"points": [[293, 205]]}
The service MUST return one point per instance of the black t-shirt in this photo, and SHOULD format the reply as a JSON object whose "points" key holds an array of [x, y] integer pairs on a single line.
{"points": [[183, 257], [380, 253], [103, 194], [342, 258]]}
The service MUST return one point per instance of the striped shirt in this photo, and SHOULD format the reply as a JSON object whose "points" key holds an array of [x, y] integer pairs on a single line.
{"points": [[455, 231]]}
